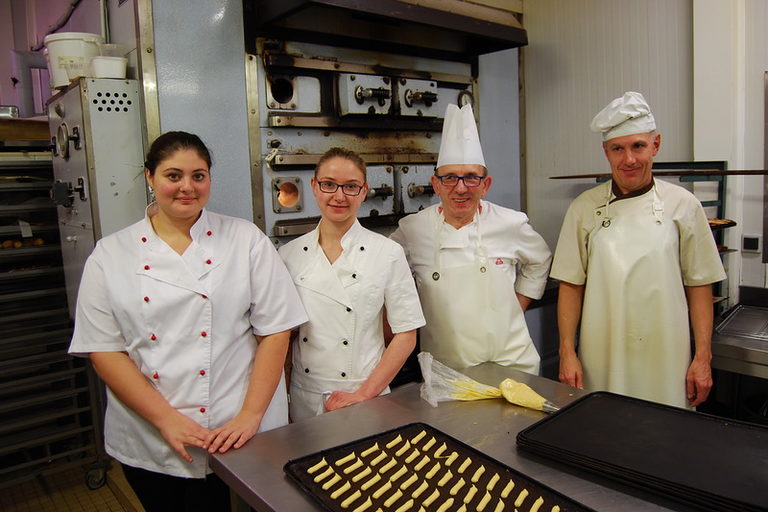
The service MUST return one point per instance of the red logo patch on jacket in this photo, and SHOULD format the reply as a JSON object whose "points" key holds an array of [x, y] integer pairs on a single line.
{"points": [[499, 261]]}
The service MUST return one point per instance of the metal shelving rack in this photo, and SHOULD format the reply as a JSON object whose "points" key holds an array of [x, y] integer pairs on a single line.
{"points": [[49, 405]]}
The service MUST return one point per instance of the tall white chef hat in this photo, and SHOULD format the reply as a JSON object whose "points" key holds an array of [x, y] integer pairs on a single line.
{"points": [[627, 115], [460, 143]]}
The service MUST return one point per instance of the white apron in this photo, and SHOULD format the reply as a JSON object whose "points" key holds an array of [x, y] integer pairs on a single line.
{"points": [[634, 329], [473, 314]]}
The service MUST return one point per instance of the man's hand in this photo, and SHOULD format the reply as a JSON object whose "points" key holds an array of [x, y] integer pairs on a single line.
{"points": [[571, 372], [698, 382]]}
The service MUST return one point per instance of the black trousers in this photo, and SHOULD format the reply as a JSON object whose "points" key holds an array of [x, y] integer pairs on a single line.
{"points": [[164, 493]]}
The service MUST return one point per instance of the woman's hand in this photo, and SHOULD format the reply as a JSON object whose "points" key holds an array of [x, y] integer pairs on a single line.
{"points": [[340, 399], [180, 431], [233, 434]]}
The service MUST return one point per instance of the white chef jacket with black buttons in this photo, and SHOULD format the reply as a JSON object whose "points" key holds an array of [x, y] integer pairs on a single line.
{"points": [[188, 323], [343, 341]]}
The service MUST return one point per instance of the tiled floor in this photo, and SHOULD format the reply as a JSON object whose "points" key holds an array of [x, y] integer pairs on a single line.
{"points": [[66, 492]]}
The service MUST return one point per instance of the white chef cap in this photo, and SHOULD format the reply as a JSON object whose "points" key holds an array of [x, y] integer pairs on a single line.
{"points": [[627, 115], [460, 143]]}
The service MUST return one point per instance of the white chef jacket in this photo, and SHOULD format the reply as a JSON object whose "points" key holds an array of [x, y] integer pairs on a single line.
{"points": [[509, 242], [343, 341], [188, 323]]}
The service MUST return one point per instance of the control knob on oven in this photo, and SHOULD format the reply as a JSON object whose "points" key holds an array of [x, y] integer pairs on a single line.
{"points": [[379, 93], [420, 190], [383, 191], [426, 97]]}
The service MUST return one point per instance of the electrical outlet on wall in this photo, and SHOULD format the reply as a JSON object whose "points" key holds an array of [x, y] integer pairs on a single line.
{"points": [[752, 243]]}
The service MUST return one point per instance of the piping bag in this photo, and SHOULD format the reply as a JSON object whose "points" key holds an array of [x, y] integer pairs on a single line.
{"points": [[442, 384]]}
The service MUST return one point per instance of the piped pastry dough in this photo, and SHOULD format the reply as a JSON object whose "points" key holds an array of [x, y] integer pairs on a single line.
{"points": [[478, 473], [464, 465], [492, 482], [406, 446], [380, 457], [420, 489], [412, 456], [537, 504], [330, 483], [397, 474], [408, 505], [364, 473], [439, 451], [394, 442], [470, 494], [351, 499], [370, 450], [418, 437], [521, 497], [457, 487], [483, 502], [366, 485], [392, 499], [432, 471], [432, 497], [386, 467], [341, 490], [381, 490], [423, 462], [353, 467], [364, 506], [428, 444], [499, 507], [445, 478], [446, 505], [317, 466], [325, 474], [409, 481], [507, 489], [346, 459], [451, 458]]}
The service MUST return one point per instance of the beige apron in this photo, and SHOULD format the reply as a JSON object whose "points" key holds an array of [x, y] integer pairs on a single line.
{"points": [[634, 330], [473, 314]]}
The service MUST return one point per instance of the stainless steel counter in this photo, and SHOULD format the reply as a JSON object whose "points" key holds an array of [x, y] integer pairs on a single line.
{"points": [[740, 342], [255, 471]]}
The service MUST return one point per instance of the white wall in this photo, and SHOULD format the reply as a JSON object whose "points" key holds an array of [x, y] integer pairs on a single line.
{"points": [[730, 60], [200, 56], [580, 56]]}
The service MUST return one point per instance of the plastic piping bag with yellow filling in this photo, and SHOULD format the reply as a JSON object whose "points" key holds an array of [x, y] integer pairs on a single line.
{"points": [[442, 384]]}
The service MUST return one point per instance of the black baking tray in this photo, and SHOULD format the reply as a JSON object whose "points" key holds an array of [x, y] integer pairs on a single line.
{"points": [[711, 462], [297, 470]]}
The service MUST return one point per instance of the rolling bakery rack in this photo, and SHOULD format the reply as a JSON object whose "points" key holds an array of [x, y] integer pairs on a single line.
{"points": [[49, 405]]}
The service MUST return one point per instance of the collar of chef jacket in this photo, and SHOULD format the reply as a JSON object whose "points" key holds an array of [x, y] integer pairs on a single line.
{"points": [[162, 263], [344, 267]]}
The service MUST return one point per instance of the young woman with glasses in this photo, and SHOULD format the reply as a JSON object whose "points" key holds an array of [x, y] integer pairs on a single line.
{"points": [[352, 281]]}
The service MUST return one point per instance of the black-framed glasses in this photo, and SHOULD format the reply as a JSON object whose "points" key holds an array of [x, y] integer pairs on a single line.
{"points": [[348, 189], [451, 180]]}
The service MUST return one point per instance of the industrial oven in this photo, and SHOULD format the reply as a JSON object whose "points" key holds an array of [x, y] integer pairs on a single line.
{"points": [[373, 77]]}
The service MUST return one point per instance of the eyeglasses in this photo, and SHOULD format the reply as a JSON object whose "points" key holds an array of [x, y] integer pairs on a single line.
{"points": [[451, 180], [348, 189]]}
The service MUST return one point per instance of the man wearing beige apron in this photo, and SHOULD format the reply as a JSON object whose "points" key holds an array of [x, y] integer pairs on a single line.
{"points": [[477, 265], [636, 259]]}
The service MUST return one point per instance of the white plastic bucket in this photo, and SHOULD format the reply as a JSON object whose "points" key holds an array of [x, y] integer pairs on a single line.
{"points": [[108, 67], [69, 55]]}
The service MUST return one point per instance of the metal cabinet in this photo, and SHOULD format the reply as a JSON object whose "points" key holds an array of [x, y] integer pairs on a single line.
{"points": [[48, 407]]}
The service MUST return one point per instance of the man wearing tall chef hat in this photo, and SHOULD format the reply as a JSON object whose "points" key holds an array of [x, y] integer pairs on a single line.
{"points": [[477, 265], [635, 259]]}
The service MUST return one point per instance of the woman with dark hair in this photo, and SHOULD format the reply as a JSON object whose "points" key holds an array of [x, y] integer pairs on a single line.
{"points": [[171, 312], [351, 281]]}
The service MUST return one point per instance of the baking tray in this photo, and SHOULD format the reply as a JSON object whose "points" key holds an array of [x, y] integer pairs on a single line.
{"points": [[711, 462], [297, 470]]}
